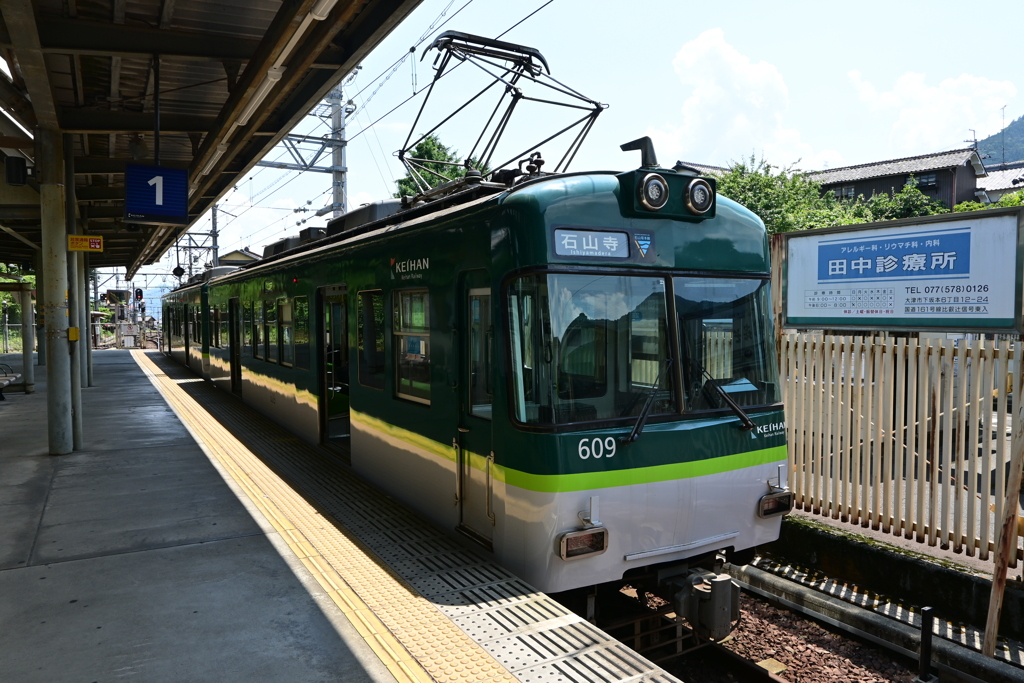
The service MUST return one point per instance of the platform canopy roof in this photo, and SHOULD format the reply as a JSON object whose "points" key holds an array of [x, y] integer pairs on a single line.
{"points": [[235, 76]]}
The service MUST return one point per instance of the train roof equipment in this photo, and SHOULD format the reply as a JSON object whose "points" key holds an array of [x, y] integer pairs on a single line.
{"points": [[515, 67]]}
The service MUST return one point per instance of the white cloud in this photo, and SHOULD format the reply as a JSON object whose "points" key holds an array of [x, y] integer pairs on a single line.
{"points": [[358, 199], [735, 107], [936, 117]]}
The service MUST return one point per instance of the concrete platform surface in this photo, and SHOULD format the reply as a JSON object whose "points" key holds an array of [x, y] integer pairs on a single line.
{"points": [[135, 558]]}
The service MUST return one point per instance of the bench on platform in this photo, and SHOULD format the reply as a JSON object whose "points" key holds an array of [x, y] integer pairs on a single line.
{"points": [[7, 377]]}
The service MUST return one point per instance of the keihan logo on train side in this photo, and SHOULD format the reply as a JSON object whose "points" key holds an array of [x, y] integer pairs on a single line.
{"points": [[771, 429], [409, 269]]}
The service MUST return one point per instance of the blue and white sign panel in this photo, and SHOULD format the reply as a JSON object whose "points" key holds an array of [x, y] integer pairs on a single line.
{"points": [[593, 243], [948, 275], [156, 195]]}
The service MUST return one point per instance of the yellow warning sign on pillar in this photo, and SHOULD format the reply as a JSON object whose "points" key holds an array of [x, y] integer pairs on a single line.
{"points": [[85, 243]]}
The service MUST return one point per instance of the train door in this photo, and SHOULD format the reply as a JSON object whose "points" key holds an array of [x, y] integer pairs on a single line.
{"points": [[476, 459], [235, 344], [334, 361]]}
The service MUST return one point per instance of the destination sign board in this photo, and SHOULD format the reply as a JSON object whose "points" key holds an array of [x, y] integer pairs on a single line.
{"points": [[959, 273], [592, 243]]}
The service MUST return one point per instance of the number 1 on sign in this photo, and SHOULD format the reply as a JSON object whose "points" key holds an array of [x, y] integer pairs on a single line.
{"points": [[159, 182]]}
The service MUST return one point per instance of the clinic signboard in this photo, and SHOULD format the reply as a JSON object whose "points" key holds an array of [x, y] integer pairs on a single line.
{"points": [[957, 271]]}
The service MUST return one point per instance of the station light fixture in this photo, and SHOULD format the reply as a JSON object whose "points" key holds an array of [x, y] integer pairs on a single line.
{"points": [[217, 154], [322, 8], [273, 75]]}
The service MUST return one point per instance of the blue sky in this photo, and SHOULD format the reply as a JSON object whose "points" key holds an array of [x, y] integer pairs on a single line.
{"points": [[807, 83]]}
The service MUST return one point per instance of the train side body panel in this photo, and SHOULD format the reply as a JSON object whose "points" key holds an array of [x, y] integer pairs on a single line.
{"points": [[690, 484]]}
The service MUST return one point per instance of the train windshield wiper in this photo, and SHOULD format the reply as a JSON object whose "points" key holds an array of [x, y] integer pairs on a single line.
{"points": [[641, 419], [744, 418]]}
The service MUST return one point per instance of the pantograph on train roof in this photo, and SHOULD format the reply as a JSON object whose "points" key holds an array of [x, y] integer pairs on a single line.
{"points": [[518, 71]]}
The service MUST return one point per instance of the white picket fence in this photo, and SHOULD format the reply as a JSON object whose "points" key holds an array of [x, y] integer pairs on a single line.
{"points": [[909, 436]]}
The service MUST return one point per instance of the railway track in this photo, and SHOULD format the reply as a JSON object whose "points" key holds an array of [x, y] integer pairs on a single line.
{"points": [[647, 624]]}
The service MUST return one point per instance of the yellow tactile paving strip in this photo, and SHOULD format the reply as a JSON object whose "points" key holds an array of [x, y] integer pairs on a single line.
{"points": [[412, 638]]}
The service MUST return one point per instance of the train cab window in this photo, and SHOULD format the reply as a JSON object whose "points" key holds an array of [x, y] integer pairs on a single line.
{"points": [[370, 330], [412, 344], [589, 347], [270, 330], [284, 325], [725, 331], [257, 329], [301, 312]]}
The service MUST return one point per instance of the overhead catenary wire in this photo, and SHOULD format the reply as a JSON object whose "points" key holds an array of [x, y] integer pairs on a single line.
{"points": [[274, 224], [452, 70], [386, 74], [390, 71]]}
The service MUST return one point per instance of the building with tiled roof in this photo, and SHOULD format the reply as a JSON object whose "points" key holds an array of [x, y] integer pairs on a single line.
{"points": [[1002, 179], [703, 169], [949, 177], [238, 257]]}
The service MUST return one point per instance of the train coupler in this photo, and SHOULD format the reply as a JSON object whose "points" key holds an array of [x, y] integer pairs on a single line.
{"points": [[709, 601]]}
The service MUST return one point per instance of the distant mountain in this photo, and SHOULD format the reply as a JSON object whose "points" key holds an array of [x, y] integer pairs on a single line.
{"points": [[1014, 141]]}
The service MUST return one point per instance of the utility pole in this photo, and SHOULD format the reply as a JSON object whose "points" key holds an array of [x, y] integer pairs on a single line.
{"points": [[973, 140], [339, 110], [1002, 134], [213, 234]]}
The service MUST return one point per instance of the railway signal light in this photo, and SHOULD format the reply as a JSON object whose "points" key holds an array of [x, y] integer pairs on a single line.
{"points": [[138, 295]]}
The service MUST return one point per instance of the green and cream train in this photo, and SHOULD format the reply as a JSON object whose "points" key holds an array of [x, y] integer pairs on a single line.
{"points": [[575, 371]]}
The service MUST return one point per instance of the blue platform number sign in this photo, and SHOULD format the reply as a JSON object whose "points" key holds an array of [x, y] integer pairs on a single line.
{"points": [[156, 195]]}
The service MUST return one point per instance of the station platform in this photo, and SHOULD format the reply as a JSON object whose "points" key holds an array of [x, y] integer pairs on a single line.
{"points": [[192, 539]]}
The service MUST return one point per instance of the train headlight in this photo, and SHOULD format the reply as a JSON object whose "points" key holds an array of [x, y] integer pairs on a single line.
{"points": [[653, 192], [775, 504], [578, 544], [699, 196]]}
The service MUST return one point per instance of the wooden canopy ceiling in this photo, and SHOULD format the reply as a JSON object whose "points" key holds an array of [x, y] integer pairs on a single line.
{"points": [[86, 67]]}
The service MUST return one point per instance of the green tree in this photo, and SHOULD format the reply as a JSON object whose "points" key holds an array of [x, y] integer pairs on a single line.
{"points": [[909, 202], [431, 148], [1010, 199], [1010, 139], [783, 198], [12, 300], [786, 199]]}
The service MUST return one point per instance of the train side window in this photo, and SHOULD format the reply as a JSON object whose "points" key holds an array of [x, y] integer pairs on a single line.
{"points": [[301, 312], [247, 329], [284, 323], [370, 323], [257, 329], [225, 319], [215, 326], [270, 330], [481, 333], [412, 344]]}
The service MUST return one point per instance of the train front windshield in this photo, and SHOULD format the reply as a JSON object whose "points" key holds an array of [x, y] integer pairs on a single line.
{"points": [[591, 347]]}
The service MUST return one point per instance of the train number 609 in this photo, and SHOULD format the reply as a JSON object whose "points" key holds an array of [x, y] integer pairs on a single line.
{"points": [[596, 447]]}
